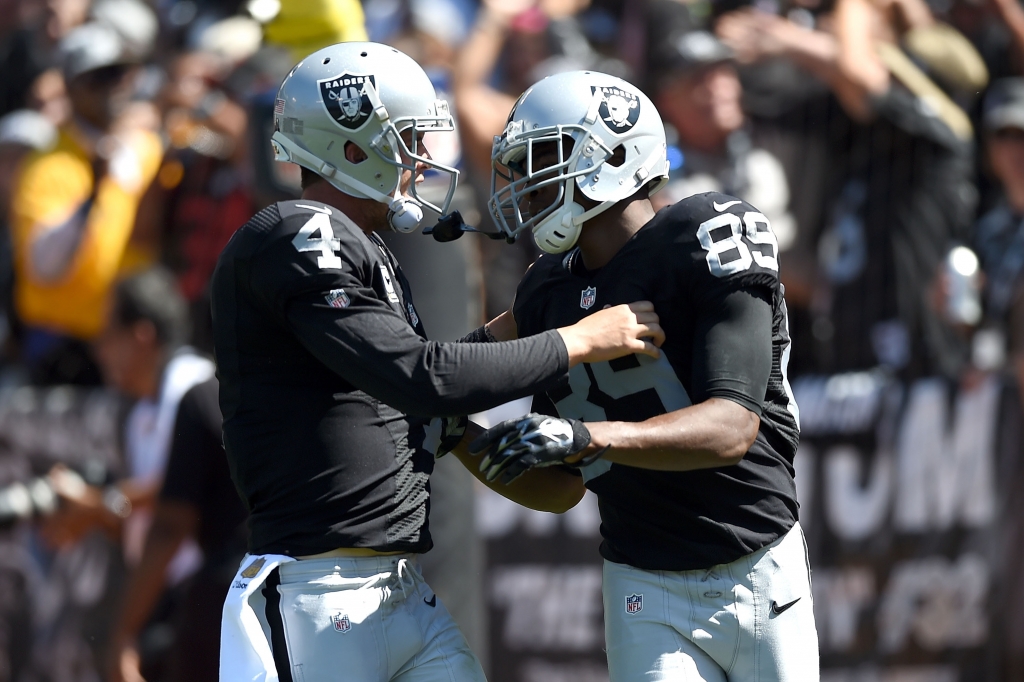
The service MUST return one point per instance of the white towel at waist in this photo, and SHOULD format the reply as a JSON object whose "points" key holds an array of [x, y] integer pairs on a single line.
{"points": [[245, 652]]}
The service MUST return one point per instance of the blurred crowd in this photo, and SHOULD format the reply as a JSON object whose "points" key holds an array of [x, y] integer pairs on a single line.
{"points": [[884, 139]]}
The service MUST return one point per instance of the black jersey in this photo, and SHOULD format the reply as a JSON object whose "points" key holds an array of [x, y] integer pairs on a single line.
{"points": [[689, 260], [320, 356]]}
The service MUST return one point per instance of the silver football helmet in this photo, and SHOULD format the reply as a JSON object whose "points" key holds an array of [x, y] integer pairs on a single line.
{"points": [[602, 115], [367, 94]]}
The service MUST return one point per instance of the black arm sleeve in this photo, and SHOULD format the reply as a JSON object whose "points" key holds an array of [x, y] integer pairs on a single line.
{"points": [[375, 349], [343, 309], [732, 351]]}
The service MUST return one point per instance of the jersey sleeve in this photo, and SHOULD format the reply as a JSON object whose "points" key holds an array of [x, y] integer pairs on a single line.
{"points": [[732, 350], [334, 301], [726, 244], [730, 275]]}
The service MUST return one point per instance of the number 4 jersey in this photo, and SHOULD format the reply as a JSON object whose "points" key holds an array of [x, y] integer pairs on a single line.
{"points": [[710, 266], [321, 355]]}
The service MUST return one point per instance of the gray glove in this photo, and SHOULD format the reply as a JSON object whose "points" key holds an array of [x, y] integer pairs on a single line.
{"points": [[536, 440], [444, 433]]}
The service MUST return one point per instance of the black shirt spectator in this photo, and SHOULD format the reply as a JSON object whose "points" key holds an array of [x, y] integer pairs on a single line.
{"points": [[904, 196], [197, 500], [197, 472]]}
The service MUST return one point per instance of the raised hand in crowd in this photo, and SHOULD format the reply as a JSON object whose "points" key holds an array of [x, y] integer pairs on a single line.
{"points": [[482, 109], [852, 69]]}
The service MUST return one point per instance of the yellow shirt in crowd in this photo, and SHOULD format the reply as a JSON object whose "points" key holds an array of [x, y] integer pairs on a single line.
{"points": [[51, 187]]}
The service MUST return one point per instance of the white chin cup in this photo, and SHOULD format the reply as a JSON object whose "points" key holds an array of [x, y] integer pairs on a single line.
{"points": [[404, 216], [557, 233]]}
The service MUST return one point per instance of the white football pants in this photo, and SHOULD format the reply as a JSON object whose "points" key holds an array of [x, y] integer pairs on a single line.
{"points": [[749, 620], [365, 619]]}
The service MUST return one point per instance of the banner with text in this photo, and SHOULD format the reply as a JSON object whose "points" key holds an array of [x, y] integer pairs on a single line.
{"points": [[913, 529]]}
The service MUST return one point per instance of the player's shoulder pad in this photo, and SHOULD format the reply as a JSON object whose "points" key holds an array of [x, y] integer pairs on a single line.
{"points": [[313, 234], [298, 213], [541, 272], [537, 278], [686, 215], [725, 236]]}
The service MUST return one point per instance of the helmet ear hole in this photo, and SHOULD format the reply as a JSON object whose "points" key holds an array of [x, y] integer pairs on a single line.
{"points": [[354, 154], [618, 157]]}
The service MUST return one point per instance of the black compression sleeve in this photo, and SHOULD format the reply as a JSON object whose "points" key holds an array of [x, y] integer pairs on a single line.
{"points": [[732, 352], [376, 350]]}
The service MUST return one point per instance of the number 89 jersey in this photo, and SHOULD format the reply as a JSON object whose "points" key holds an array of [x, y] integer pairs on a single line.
{"points": [[688, 260]]}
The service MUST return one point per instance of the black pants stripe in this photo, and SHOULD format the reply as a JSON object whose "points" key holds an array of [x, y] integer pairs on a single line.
{"points": [[278, 644]]}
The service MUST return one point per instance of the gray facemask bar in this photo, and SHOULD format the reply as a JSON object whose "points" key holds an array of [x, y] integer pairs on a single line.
{"points": [[505, 203]]}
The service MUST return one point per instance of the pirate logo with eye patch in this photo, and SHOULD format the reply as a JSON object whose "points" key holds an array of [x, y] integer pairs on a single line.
{"points": [[346, 100], [619, 110]]}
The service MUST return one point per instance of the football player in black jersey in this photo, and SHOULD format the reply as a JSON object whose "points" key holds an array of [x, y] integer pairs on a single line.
{"points": [[690, 453], [321, 356]]}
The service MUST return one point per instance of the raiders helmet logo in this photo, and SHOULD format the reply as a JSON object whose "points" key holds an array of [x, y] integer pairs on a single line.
{"points": [[620, 109], [345, 99]]}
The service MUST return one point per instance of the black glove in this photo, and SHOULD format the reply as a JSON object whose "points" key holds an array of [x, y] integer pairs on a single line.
{"points": [[536, 440], [444, 433]]}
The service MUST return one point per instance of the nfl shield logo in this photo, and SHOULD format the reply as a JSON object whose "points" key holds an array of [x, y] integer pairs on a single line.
{"points": [[588, 297], [337, 298], [634, 603], [341, 622]]}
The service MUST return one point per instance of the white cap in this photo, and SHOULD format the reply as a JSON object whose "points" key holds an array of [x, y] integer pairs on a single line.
{"points": [[136, 24], [28, 128], [89, 47]]}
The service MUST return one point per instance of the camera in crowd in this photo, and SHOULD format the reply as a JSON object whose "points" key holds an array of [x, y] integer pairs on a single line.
{"points": [[40, 496]]}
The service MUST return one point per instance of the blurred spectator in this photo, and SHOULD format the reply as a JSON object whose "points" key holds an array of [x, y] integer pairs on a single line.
{"points": [[74, 208], [22, 132], [698, 93], [22, 57], [197, 501], [28, 41], [1010, 16], [305, 27], [1000, 233], [202, 192], [516, 28], [901, 194], [511, 45], [135, 23], [141, 355]]}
